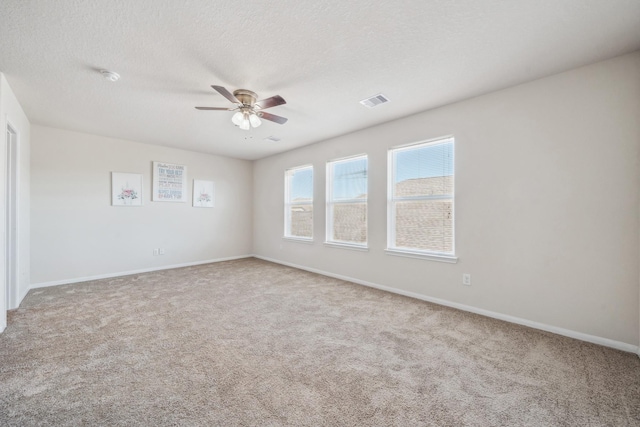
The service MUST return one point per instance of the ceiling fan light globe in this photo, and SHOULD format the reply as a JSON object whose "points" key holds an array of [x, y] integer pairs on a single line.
{"points": [[245, 125], [255, 120], [237, 118]]}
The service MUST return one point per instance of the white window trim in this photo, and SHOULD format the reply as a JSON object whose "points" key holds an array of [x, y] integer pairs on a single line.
{"points": [[287, 205], [347, 245], [308, 240], [391, 220], [329, 217], [422, 255]]}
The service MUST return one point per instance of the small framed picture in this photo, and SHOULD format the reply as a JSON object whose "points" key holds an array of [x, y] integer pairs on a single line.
{"points": [[126, 189], [203, 196]]}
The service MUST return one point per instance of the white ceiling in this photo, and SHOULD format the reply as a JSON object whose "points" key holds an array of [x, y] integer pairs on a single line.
{"points": [[322, 57]]}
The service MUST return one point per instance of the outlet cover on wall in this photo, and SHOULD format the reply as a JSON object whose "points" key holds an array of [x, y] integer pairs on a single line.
{"points": [[161, 251], [466, 279]]}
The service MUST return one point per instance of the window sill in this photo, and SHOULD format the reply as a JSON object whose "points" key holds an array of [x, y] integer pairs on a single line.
{"points": [[347, 246], [422, 255], [308, 241]]}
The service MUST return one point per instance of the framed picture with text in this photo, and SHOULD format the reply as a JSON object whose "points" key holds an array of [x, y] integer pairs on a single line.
{"points": [[169, 182]]}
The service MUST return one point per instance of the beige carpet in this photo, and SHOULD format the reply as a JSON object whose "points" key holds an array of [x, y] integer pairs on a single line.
{"points": [[250, 343]]}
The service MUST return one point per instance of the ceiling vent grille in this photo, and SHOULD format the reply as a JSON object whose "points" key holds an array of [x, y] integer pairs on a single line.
{"points": [[374, 101], [271, 139]]}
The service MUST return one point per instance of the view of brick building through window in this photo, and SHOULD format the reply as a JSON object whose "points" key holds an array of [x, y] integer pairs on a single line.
{"points": [[349, 222], [301, 218], [420, 224], [425, 224]]}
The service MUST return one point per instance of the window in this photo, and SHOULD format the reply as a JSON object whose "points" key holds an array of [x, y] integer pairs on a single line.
{"points": [[420, 200], [298, 203], [347, 202]]}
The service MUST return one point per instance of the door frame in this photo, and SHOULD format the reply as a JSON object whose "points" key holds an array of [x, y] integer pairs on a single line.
{"points": [[11, 205]]}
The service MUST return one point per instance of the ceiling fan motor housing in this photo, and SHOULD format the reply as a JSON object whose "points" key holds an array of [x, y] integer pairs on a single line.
{"points": [[245, 96]]}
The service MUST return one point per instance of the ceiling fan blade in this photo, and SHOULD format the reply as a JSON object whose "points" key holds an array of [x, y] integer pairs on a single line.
{"points": [[270, 102], [224, 92], [272, 117], [214, 108]]}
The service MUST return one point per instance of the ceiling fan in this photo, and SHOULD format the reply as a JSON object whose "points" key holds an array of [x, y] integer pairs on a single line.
{"points": [[248, 110]]}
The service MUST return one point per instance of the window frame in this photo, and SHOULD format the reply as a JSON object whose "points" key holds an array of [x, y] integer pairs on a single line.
{"points": [[391, 249], [288, 175], [329, 204]]}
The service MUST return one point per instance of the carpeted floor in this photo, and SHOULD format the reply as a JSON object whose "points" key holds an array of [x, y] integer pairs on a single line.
{"points": [[250, 343]]}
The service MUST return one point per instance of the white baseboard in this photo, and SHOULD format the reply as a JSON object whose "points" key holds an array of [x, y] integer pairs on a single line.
{"points": [[512, 319], [128, 273]]}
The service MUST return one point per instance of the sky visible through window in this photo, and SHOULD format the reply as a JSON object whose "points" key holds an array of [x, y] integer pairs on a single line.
{"points": [[350, 179], [302, 184], [424, 162]]}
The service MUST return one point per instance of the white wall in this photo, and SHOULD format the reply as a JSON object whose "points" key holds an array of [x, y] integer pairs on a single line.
{"points": [[78, 234], [11, 113], [547, 202]]}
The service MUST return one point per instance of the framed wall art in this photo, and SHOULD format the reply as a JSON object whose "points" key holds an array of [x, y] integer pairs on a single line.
{"points": [[169, 182], [126, 189], [203, 194]]}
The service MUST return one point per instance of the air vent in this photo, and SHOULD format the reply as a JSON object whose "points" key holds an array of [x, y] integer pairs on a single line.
{"points": [[374, 101], [271, 139]]}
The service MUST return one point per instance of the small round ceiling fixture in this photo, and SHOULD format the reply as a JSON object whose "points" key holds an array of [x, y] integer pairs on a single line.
{"points": [[110, 75]]}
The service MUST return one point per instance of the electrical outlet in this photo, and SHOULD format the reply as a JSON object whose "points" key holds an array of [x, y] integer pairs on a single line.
{"points": [[161, 251], [466, 279], [155, 252]]}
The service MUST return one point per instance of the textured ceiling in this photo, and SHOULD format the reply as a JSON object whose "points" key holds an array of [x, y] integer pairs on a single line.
{"points": [[322, 57]]}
